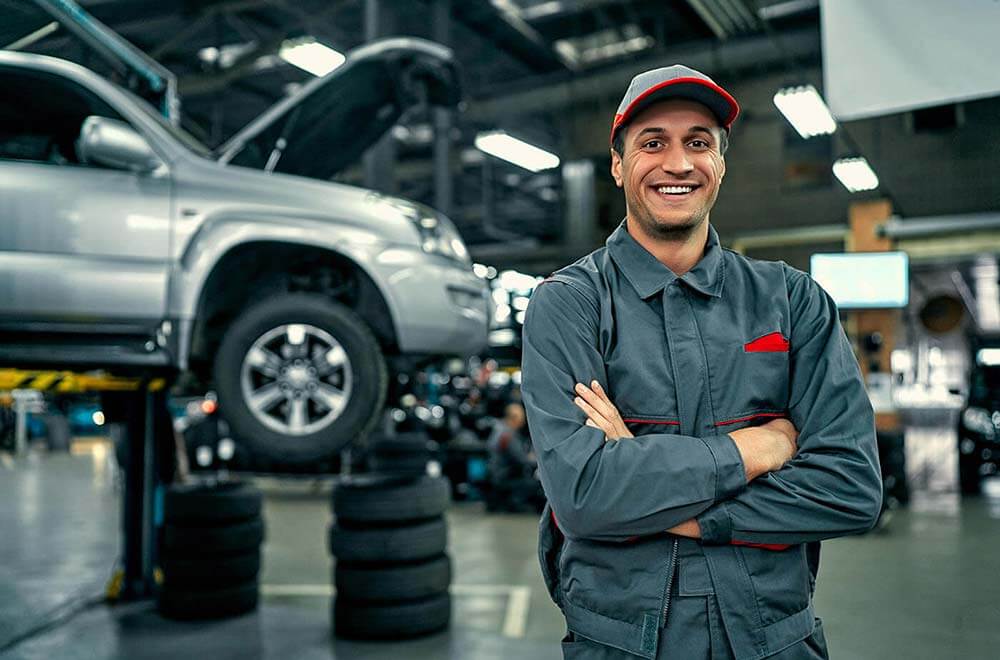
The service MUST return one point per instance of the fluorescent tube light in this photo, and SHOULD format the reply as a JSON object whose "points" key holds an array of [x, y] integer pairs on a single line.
{"points": [[988, 357], [310, 55], [804, 108], [856, 174], [512, 150]]}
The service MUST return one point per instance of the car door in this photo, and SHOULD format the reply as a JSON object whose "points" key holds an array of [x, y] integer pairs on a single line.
{"points": [[83, 248]]}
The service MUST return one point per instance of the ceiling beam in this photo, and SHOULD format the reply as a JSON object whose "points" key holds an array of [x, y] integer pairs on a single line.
{"points": [[268, 44], [553, 93], [203, 20], [515, 37]]}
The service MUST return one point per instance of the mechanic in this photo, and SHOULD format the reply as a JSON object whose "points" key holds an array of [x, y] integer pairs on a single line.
{"points": [[699, 418], [513, 484]]}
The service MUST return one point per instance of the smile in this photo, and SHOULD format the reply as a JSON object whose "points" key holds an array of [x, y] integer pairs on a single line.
{"points": [[675, 191]]}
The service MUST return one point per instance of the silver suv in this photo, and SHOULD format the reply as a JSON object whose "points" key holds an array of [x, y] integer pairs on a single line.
{"points": [[126, 243]]}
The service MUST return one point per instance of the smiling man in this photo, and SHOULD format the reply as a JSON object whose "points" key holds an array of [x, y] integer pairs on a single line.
{"points": [[698, 417]]}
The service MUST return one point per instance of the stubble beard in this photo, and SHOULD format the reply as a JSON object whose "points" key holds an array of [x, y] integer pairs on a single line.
{"points": [[675, 233]]}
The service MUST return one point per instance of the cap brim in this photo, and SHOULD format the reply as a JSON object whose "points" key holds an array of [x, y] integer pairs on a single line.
{"points": [[717, 100]]}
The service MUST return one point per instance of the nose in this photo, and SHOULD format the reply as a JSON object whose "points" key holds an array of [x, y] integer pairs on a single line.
{"points": [[675, 161]]}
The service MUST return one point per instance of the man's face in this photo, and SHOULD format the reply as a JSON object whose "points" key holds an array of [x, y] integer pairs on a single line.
{"points": [[670, 167], [514, 416]]}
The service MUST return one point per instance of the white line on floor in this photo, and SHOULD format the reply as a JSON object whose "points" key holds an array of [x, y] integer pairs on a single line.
{"points": [[517, 612], [514, 622]]}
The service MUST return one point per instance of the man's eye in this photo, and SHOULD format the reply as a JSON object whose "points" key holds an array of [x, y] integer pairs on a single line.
{"points": [[698, 144], [652, 144]]}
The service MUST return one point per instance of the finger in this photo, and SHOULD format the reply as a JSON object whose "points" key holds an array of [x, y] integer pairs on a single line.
{"points": [[608, 433], [611, 411], [598, 422], [592, 413], [596, 386], [622, 431], [613, 414], [597, 403], [593, 424]]}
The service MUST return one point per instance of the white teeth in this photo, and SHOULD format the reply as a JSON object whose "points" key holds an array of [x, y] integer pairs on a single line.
{"points": [[674, 190]]}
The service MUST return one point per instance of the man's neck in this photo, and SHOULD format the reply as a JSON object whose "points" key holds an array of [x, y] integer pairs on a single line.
{"points": [[678, 255]]}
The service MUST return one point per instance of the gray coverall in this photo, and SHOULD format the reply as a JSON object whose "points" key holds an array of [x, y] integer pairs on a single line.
{"points": [[732, 343]]}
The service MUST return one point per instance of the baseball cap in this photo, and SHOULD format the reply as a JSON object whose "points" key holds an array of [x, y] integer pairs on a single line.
{"points": [[675, 82]]}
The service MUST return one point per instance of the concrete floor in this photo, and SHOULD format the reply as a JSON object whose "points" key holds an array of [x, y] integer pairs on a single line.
{"points": [[927, 587]]}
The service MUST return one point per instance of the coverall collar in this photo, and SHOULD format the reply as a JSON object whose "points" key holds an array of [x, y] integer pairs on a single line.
{"points": [[649, 276]]}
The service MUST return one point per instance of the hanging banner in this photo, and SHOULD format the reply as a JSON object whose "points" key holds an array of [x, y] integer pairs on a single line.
{"points": [[891, 56]]}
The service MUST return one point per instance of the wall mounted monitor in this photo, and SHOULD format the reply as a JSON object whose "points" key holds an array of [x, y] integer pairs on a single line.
{"points": [[864, 280]]}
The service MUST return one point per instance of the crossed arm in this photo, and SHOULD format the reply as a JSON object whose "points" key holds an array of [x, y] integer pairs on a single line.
{"points": [[762, 448], [760, 485]]}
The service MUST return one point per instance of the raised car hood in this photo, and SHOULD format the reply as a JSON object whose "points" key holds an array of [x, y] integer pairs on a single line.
{"points": [[332, 120]]}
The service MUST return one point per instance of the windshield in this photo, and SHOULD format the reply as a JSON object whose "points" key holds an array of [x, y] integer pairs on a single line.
{"points": [[179, 134]]}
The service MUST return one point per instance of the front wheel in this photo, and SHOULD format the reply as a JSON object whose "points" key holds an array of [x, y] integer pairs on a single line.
{"points": [[299, 377]]}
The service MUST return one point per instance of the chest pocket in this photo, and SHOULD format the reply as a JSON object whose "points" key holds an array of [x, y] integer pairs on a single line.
{"points": [[753, 376], [646, 424], [638, 366]]}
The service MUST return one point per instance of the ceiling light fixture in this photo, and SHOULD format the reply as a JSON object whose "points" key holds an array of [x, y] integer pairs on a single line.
{"points": [[512, 150], [856, 174], [804, 108], [988, 357], [310, 55]]}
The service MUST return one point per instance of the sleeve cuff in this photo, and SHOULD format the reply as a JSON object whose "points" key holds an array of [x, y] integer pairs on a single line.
{"points": [[730, 473], [716, 525]]}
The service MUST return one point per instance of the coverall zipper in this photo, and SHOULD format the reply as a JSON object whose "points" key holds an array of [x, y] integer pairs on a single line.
{"points": [[670, 581]]}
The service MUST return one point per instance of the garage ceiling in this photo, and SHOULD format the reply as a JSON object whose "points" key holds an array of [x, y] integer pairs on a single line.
{"points": [[553, 71]]}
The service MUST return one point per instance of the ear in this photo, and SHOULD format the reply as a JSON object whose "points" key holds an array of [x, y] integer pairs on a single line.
{"points": [[616, 168]]}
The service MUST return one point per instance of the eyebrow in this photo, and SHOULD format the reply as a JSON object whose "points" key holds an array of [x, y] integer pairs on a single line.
{"points": [[657, 130]]}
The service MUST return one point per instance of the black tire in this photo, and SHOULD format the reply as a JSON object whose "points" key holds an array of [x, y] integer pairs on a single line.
{"points": [[370, 378], [212, 541], [405, 443], [210, 571], [389, 544], [969, 478], [205, 504], [366, 583], [358, 620], [194, 604], [414, 465], [381, 498]]}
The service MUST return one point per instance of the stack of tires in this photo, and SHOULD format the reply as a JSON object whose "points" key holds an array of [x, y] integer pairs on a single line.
{"points": [[210, 550], [404, 453], [389, 540]]}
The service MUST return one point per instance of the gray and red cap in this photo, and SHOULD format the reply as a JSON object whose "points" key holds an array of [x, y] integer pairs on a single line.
{"points": [[675, 82]]}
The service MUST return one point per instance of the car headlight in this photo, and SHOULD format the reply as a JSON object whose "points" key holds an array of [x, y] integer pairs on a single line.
{"points": [[980, 421], [439, 236]]}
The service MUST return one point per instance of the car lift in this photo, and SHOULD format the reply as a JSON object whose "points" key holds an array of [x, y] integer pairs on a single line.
{"points": [[143, 400], [143, 391]]}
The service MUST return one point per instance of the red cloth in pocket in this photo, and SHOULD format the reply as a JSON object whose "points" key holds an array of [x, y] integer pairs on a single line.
{"points": [[774, 342]]}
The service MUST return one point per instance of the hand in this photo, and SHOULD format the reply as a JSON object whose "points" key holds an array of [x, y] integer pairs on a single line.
{"points": [[601, 413], [688, 528], [767, 447], [791, 434]]}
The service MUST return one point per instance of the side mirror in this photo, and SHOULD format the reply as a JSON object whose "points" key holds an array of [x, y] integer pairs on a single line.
{"points": [[114, 143]]}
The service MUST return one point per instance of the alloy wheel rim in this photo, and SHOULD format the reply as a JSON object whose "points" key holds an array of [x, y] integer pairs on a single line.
{"points": [[296, 379]]}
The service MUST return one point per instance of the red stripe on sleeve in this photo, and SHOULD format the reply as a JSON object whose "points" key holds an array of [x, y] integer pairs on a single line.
{"points": [[777, 547]]}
